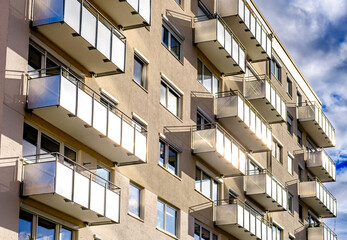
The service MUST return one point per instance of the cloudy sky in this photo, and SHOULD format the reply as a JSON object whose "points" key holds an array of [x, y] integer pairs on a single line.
{"points": [[315, 34]]}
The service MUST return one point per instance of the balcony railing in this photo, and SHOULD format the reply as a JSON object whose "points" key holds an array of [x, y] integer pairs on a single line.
{"points": [[318, 198], [321, 232], [266, 98], [243, 121], [127, 14], [62, 99], [79, 29], [215, 39], [266, 190], [241, 221], [317, 125], [242, 19], [321, 165], [63, 184], [220, 150]]}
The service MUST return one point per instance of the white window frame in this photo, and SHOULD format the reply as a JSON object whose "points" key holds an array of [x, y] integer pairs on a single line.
{"points": [[280, 146], [290, 165], [164, 217], [213, 78], [212, 181], [165, 165], [144, 70], [172, 30], [176, 93], [140, 205], [289, 194], [276, 64], [208, 229]]}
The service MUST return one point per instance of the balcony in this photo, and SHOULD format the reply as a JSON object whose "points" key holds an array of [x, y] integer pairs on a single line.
{"points": [[241, 221], [214, 38], [243, 21], [237, 115], [80, 30], [218, 149], [318, 198], [127, 14], [320, 232], [317, 125], [63, 100], [321, 165], [266, 190], [64, 185], [266, 99]]}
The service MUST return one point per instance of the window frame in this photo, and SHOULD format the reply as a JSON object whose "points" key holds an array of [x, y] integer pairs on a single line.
{"points": [[140, 205], [277, 228], [164, 217], [299, 101], [144, 70], [213, 77], [299, 134], [201, 226], [98, 180], [290, 124], [290, 166], [167, 147], [176, 93], [206, 122], [278, 150], [212, 182], [275, 65], [172, 32], [300, 213], [289, 86], [290, 210]]}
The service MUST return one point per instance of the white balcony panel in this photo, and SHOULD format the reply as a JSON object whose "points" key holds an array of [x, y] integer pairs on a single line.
{"points": [[88, 26], [242, 20], [64, 181], [104, 40], [145, 10], [321, 165], [97, 198], [118, 52], [81, 190], [72, 14], [109, 132], [112, 203]]}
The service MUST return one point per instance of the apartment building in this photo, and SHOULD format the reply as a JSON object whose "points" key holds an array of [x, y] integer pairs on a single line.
{"points": [[171, 119]]}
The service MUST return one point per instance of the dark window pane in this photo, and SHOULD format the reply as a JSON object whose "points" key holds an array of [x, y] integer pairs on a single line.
{"points": [[48, 145], [205, 234], [199, 121], [25, 225], [175, 47], [199, 71], [198, 179], [34, 59], [70, 154], [138, 68], [29, 140], [45, 230], [165, 39], [161, 153], [53, 68], [196, 232], [172, 163]]}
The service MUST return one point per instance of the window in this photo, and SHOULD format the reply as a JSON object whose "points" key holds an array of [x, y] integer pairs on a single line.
{"points": [[253, 168], [290, 164], [276, 69], [298, 98], [207, 79], [103, 176], [135, 200], [203, 233], [170, 99], [276, 150], [108, 100], [203, 12], [301, 174], [168, 157], [32, 224], [38, 58], [202, 122], [290, 203], [140, 71], [289, 87], [172, 41], [167, 218], [206, 185], [179, 2], [312, 220], [299, 135], [301, 213], [290, 123], [277, 233]]}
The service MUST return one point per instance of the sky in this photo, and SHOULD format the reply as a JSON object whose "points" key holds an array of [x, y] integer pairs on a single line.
{"points": [[315, 34]]}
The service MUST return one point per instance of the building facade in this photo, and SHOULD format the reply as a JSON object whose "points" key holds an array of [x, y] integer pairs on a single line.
{"points": [[172, 119]]}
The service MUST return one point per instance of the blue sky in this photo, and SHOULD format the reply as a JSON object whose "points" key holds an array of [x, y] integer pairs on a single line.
{"points": [[315, 34]]}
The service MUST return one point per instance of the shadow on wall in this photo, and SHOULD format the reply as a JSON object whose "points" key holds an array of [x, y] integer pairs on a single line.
{"points": [[203, 212], [9, 193], [204, 101]]}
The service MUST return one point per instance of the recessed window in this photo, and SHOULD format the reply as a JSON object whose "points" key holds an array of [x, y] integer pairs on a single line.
{"points": [[39, 58], [276, 151], [312, 220], [203, 12], [276, 69], [298, 99], [207, 79], [172, 41], [203, 233], [206, 185], [167, 218], [170, 99], [289, 87], [301, 174], [179, 2], [108, 100], [168, 157], [253, 168], [299, 135], [290, 164], [32, 224], [290, 203], [103, 176], [135, 200], [290, 123], [301, 217], [277, 233], [140, 71], [202, 122]]}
